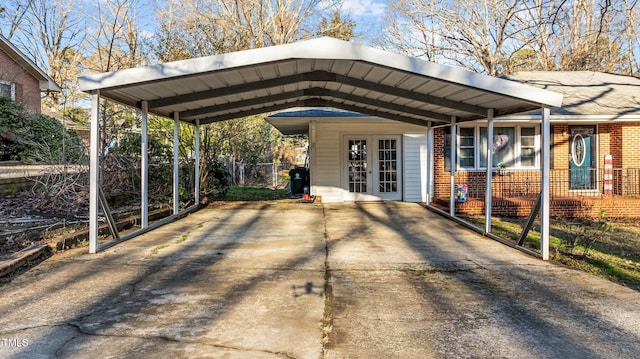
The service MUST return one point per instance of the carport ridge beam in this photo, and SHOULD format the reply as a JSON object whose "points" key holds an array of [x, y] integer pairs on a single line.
{"points": [[314, 93]]}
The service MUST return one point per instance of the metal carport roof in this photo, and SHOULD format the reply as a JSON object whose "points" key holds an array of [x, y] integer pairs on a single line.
{"points": [[321, 72]]}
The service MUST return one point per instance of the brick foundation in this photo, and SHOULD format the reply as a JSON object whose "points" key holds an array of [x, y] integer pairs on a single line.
{"points": [[614, 207]]}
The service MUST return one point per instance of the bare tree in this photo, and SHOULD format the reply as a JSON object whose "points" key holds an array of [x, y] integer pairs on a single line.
{"points": [[474, 34], [499, 37], [337, 27], [116, 43], [587, 39], [217, 26], [410, 29], [52, 34], [13, 13], [631, 30]]}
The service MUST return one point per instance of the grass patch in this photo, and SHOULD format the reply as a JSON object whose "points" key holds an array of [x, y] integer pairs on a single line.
{"points": [[249, 193], [157, 249], [186, 235], [615, 256]]}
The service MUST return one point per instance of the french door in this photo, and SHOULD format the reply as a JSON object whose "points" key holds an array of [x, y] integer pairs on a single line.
{"points": [[373, 168]]}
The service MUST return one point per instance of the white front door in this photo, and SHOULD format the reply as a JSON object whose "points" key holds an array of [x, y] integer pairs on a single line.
{"points": [[373, 168]]}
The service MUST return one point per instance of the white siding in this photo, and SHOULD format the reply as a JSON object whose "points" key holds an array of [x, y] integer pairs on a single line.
{"points": [[327, 178], [415, 167]]}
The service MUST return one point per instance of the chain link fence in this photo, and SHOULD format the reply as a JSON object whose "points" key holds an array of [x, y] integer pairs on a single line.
{"points": [[271, 175]]}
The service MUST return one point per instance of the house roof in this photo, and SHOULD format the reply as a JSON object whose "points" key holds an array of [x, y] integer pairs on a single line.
{"points": [[588, 93], [295, 121], [46, 82], [322, 72]]}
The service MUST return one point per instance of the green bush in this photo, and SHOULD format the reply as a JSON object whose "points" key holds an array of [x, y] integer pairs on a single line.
{"points": [[29, 137]]}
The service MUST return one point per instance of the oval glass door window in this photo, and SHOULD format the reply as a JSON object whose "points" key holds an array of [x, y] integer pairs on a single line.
{"points": [[578, 148]]}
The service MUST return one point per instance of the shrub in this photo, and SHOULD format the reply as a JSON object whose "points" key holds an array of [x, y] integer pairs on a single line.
{"points": [[585, 233], [29, 137]]}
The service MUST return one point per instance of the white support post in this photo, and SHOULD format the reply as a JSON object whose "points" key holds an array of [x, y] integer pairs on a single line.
{"points": [[454, 149], [311, 151], [197, 163], [176, 143], [545, 195], [144, 175], [488, 201], [94, 166], [429, 163]]}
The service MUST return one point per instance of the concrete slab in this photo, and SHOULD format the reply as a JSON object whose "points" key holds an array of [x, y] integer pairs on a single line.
{"points": [[409, 284], [239, 281], [260, 280]]}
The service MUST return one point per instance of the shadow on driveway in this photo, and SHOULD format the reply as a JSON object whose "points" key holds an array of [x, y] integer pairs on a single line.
{"points": [[248, 280]]}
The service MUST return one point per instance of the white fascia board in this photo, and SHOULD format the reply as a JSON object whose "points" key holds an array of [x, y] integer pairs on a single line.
{"points": [[311, 49], [49, 85], [322, 48]]}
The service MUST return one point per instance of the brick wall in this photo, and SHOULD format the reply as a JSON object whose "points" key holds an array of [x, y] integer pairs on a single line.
{"points": [[630, 133], [27, 87], [614, 207], [621, 140], [560, 146], [441, 176], [610, 143]]}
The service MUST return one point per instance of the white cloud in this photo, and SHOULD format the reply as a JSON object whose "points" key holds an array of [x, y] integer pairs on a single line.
{"points": [[362, 8]]}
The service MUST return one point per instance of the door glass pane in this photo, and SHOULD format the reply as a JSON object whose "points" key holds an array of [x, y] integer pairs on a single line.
{"points": [[387, 166], [357, 166]]}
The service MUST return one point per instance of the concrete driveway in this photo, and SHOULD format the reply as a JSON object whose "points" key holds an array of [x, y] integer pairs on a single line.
{"points": [[259, 280]]}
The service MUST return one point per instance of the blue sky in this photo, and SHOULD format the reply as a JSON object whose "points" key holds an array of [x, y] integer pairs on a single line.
{"points": [[364, 9], [368, 14]]}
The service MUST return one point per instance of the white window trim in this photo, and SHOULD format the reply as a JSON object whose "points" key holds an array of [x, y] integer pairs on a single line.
{"points": [[13, 88], [517, 151]]}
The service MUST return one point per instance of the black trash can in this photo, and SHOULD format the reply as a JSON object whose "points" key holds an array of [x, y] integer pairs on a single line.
{"points": [[299, 179]]}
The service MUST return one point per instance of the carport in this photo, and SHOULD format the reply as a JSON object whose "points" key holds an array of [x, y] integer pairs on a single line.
{"points": [[321, 72]]}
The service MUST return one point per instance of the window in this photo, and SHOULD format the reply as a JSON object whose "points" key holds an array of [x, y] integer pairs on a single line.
{"points": [[528, 147], [513, 147], [467, 147], [7, 89], [504, 144]]}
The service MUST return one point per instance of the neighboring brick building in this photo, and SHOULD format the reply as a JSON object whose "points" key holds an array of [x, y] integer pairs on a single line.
{"points": [[21, 79], [600, 117]]}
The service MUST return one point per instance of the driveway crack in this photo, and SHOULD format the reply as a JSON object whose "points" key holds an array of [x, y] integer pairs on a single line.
{"points": [[327, 317]]}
